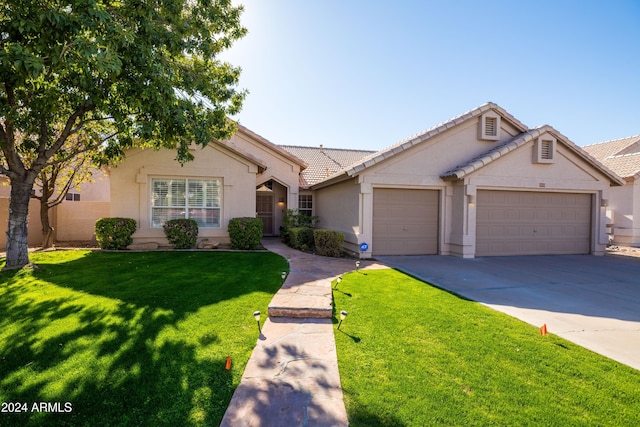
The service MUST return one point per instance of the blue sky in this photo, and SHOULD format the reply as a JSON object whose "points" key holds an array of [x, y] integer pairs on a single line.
{"points": [[366, 74]]}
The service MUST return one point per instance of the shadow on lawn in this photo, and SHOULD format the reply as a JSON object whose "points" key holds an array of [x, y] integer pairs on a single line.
{"points": [[118, 361]]}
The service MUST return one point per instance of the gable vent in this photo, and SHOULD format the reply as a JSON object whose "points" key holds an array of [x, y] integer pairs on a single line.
{"points": [[491, 126], [546, 149]]}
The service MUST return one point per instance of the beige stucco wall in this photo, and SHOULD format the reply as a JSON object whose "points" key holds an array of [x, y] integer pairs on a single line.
{"points": [[75, 221], [282, 170], [130, 186], [624, 211], [338, 208]]}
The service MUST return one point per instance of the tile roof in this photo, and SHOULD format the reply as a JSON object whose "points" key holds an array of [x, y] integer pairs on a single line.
{"points": [[323, 162], [620, 155], [519, 140]]}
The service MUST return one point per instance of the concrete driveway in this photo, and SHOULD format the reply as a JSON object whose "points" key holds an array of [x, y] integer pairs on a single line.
{"points": [[593, 301]]}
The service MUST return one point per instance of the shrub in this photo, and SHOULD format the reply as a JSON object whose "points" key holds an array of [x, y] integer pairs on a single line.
{"points": [[115, 233], [301, 238], [292, 219], [245, 233], [328, 242], [182, 233]]}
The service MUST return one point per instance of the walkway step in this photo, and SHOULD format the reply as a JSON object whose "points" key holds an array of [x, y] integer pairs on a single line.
{"points": [[299, 298]]}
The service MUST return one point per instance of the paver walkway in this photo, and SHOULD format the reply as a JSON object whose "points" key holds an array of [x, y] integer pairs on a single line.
{"points": [[292, 377]]}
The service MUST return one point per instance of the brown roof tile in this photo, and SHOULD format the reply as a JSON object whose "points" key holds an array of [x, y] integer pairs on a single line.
{"points": [[620, 155], [323, 162]]}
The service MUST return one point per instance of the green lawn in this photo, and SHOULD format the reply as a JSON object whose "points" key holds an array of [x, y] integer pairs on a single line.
{"points": [[413, 355], [130, 339]]}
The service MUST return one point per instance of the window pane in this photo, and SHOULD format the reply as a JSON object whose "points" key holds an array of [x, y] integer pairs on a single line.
{"points": [[198, 199], [205, 217]]}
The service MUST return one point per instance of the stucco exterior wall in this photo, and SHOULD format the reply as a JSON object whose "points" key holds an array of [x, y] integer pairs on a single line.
{"points": [[131, 180], [338, 208], [75, 221], [281, 169], [624, 209]]}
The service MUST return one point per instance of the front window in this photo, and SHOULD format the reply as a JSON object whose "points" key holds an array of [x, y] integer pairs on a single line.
{"points": [[305, 204], [173, 198]]}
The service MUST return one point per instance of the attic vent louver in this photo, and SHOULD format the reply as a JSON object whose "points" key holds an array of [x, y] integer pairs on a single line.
{"points": [[489, 126], [546, 149]]}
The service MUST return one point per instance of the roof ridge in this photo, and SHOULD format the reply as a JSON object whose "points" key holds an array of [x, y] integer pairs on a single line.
{"points": [[612, 140], [617, 156], [325, 148]]}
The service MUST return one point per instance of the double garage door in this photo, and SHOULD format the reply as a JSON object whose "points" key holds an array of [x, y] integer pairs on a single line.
{"points": [[406, 222], [532, 223]]}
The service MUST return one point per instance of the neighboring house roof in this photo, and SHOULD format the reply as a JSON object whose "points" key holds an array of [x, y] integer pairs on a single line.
{"points": [[323, 162], [519, 140], [525, 136], [620, 155]]}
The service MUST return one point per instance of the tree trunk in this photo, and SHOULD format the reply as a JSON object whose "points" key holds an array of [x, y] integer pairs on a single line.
{"points": [[47, 229], [17, 249]]}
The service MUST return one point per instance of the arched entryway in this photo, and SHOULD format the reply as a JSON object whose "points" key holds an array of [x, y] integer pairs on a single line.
{"points": [[271, 206]]}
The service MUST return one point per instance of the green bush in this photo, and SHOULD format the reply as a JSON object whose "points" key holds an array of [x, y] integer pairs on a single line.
{"points": [[301, 238], [182, 233], [328, 242], [115, 233], [245, 233], [292, 219]]}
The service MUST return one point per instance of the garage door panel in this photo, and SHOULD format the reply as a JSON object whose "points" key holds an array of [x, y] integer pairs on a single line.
{"points": [[532, 223], [405, 222]]}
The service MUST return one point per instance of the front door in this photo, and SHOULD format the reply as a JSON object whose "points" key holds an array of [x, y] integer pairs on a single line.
{"points": [[264, 208]]}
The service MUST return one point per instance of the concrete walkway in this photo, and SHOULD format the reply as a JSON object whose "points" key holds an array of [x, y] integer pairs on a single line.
{"points": [[292, 377]]}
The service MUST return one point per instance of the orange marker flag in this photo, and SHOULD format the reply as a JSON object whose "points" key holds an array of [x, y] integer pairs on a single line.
{"points": [[228, 365], [543, 329]]}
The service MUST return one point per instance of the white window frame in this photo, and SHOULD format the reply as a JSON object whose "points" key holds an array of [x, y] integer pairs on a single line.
{"points": [[308, 204], [185, 208]]}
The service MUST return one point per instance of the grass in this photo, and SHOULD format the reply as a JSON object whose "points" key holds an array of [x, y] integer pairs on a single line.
{"points": [[413, 355], [130, 339]]}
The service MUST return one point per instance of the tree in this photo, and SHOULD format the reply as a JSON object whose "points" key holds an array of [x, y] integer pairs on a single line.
{"points": [[148, 68], [55, 180]]}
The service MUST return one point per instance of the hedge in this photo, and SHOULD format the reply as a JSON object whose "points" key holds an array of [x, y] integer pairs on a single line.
{"points": [[245, 233], [115, 233], [182, 233], [301, 238], [328, 242]]}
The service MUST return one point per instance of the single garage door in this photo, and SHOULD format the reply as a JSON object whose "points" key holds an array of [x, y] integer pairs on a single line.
{"points": [[405, 222], [532, 223]]}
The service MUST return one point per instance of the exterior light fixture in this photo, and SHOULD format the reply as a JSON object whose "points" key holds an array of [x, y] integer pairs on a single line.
{"points": [[283, 275], [256, 315], [343, 315], [338, 280], [357, 265]]}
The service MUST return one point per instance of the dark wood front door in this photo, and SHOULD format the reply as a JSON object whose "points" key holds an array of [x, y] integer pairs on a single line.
{"points": [[264, 208]]}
